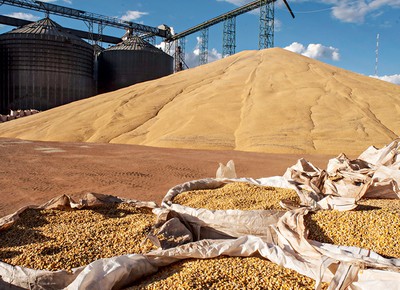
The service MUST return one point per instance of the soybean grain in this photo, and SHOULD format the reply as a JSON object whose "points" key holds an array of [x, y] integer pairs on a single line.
{"points": [[373, 225], [225, 273], [237, 195], [64, 239]]}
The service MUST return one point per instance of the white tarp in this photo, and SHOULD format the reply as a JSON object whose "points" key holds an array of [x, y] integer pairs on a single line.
{"points": [[277, 236]]}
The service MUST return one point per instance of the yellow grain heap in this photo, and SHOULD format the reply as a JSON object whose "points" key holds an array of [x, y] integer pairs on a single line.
{"points": [[225, 273], [64, 239], [237, 195], [373, 225]]}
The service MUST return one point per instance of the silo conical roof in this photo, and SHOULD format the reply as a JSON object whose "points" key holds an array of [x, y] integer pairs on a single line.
{"points": [[131, 61], [134, 42], [46, 27]]}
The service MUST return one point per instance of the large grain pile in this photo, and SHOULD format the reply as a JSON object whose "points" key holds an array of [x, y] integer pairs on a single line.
{"points": [[237, 195], [226, 273], [374, 225], [64, 239], [270, 100]]}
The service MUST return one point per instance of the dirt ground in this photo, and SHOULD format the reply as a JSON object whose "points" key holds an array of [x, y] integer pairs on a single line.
{"points": [[33, 172]]}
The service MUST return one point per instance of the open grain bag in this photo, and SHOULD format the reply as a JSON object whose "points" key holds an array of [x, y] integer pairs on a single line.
{"points": [[47, 246]]}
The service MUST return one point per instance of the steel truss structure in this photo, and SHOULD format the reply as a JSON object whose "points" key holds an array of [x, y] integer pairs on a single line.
{"points": [[203, 47], [180, 54], [80, 33], [266, 35], [89, 18], [229, 36], [267, 19]]}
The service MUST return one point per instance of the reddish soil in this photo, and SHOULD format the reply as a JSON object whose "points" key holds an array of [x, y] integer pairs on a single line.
{"points": [[33, 172]]}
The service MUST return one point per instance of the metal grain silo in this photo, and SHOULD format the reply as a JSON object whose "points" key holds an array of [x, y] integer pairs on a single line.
{"points": [[3, 81], [43, 66], [132, 61]]}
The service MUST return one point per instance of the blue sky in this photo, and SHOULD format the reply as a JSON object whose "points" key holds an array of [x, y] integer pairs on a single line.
{"points": [[342, 33]]}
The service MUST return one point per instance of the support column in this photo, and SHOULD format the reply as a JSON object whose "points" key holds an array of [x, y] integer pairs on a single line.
{"points": [[151, 40], [179, 54], [98, 42], [100, 29], [229, 36], [266, 36], [89, 24], [203, 46], [167, 47]]}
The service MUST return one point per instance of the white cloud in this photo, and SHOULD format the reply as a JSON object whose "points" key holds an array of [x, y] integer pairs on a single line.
{"points": [[395, 79], [296, 47], [277, 25], [192, 58], [315, 50], [25, 16], [49, 1], [214, 55], [321, 51], [68, 1], [236, 2], [163, 45], [351, 11], [355, 11], [133, 15]]}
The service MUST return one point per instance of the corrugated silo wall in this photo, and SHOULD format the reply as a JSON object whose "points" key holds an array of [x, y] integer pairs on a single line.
{"points": [[44, 71], [122, 68], [3, 80]]}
